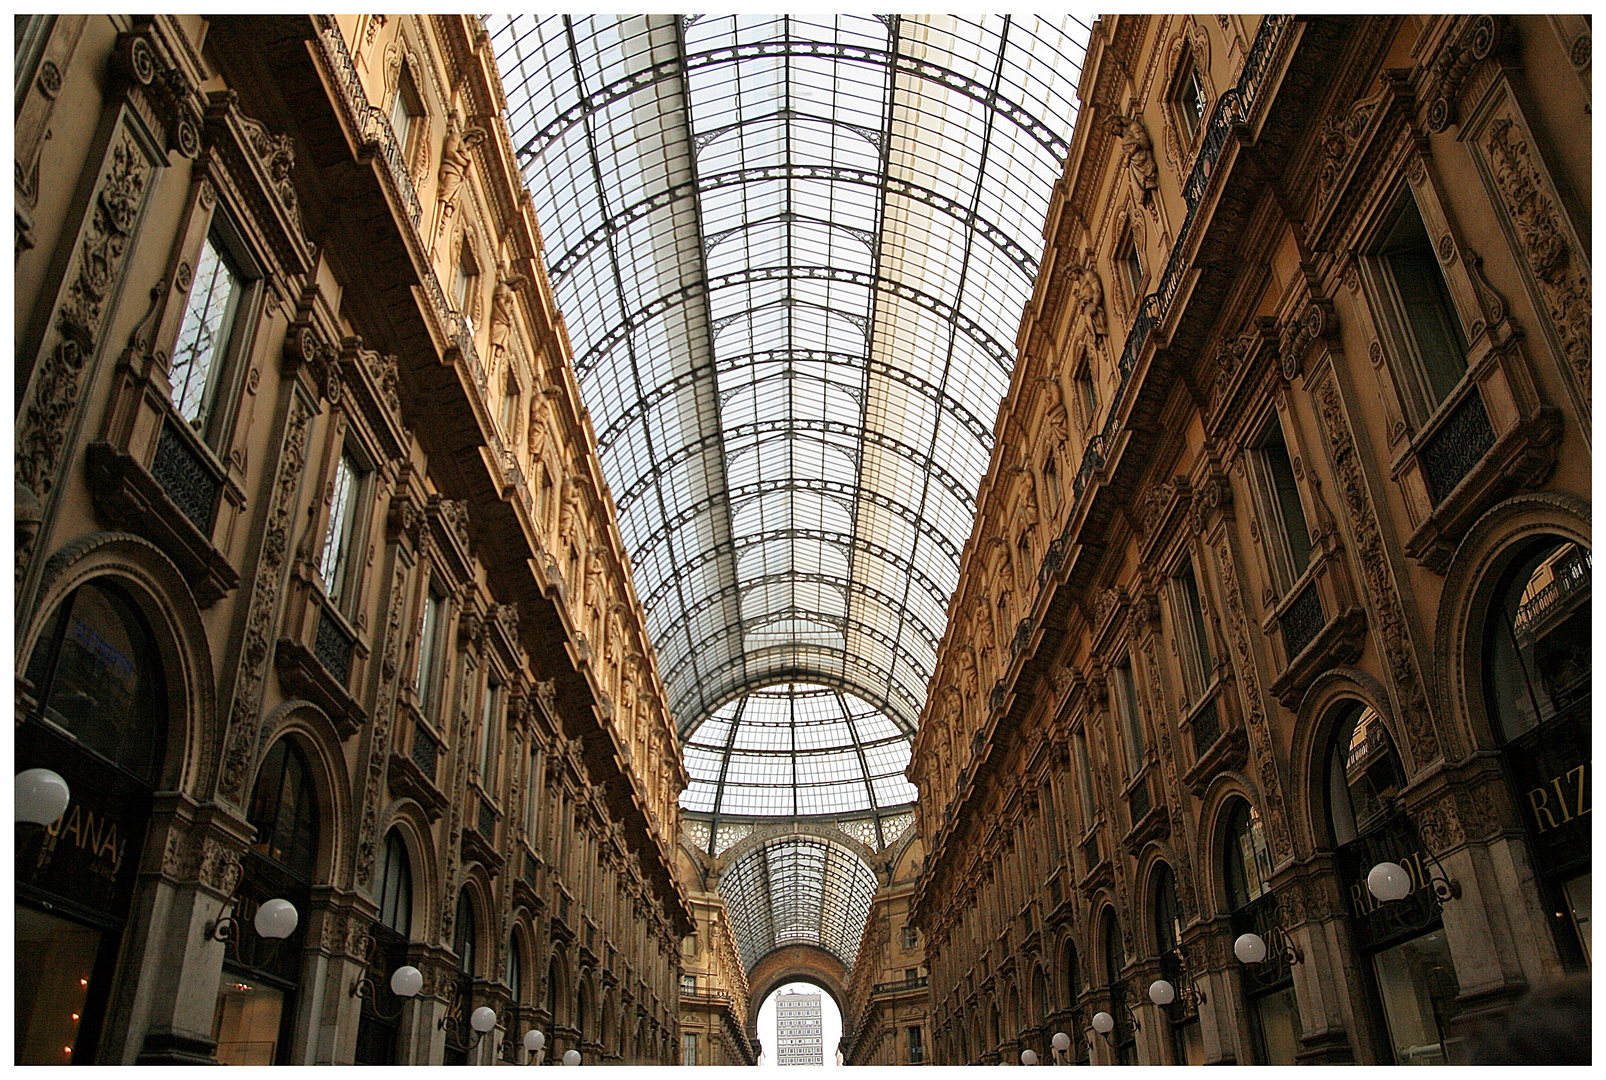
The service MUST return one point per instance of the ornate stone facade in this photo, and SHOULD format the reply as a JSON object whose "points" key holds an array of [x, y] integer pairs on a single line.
{"points": [[1278, 515], [247, 410]]}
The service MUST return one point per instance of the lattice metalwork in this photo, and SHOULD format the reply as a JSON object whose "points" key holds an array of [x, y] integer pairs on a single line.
{"points": [[695, 832], [798, 889], [796, 750], [893, 828], [792, 254]]}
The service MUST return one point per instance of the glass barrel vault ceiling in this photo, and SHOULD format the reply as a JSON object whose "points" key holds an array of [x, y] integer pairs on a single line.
{"points": [[792, 254]]}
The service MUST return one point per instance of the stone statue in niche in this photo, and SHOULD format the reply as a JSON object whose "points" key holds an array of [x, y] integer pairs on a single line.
{"points": [[1137, 153], [1088, 299], [456, 154], [537, 428], [1057, 417], [502, 315]]}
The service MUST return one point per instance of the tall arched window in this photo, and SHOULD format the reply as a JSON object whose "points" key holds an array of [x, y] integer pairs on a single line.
{"points": [[1187, 1040], [1124, 1037], [1268, 986], [396, 886], [466, 933], [1402, 941], [465, 941], [256, 998], [515, 971], [94, 704], [1536, 675]]}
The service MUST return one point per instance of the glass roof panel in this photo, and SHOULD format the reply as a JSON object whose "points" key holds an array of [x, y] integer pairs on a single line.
{"points": [[792, 254]]}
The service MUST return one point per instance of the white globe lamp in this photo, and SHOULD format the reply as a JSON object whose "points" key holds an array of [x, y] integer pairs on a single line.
{"points": [[276, 919], [1162, 992], [1249, 948], [406, 981], [482, 1019], [1389, 881], [534, 1041], [1028, 1057], [1062, 1041], [42, 796], [571, 1057], [1103, 1023]]}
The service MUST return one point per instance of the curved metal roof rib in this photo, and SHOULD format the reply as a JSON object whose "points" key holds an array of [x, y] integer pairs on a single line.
{"points": [[792, 254]]}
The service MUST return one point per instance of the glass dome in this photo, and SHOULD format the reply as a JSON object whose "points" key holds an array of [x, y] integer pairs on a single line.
{"points": [[796, 750]]}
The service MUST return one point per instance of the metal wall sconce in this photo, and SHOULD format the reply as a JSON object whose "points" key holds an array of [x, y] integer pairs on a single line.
{"points": [[480, 1023], [571, 1057], [534, 1042], [1103, 1023], [275, 919], [1028, 1057], [1390, 881], [1062, 1046], [1162, 992], [405, 982], [42, 797]]}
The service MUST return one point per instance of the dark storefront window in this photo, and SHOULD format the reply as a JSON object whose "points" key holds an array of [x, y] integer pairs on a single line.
{"points": [[1268, 986], [1124, 1037], [256, 997], [379, 1023], [1536, 685], [459, 1004], [1402, 940], [95, 707], [1187, 1040]]}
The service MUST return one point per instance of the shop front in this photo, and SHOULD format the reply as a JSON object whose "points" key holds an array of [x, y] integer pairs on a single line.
{"points": [[95, 706]]}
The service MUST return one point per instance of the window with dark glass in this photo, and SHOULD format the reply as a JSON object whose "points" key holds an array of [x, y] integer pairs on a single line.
{"points": [[1417, 307], [1087, 397], [94, 706], [406, 109], [256, 1001], [510, 408], [396, 886], [1126, 696], [429, 647], [1285, 536], [1273, 1009], [464, 280], [1537, 668], [1193, 645], [1084, 780], [1191, 100], [1130, 261], [489, 720], [345, 507]]}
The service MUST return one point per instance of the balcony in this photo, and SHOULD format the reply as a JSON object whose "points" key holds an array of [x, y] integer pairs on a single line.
{"points": [[902, 985]]}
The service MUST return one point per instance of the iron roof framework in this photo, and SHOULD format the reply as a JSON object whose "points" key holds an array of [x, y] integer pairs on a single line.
{"points": [[792, 254], [798, 890]]}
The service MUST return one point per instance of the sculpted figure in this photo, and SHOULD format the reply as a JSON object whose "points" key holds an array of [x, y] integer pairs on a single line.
{"points": [[502, 314], [1087, 297], [1059, 421], [1137, 153], [455, 157]]}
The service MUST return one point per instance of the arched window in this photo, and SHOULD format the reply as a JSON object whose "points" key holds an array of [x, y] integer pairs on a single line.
{"points": [[1187, 1039], [256, 998], [465, 933], [1125, 1038], [1167, 915], [515, 971], [396, 886], [94, 703], [1273, 1009], [1363, 774], [1536, 676], [1248, 860], [552, 998], [94, 673], [284, 809]]}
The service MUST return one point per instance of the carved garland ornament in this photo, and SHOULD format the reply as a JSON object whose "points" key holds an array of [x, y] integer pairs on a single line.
{"points": [[44, 423], [379, 744], [1259, 731], [265, 591], [1561, 275], [1374, 562]]}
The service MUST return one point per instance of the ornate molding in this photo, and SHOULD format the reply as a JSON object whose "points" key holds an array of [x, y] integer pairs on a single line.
{"points": [[266, 590], [1373, 559]]}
